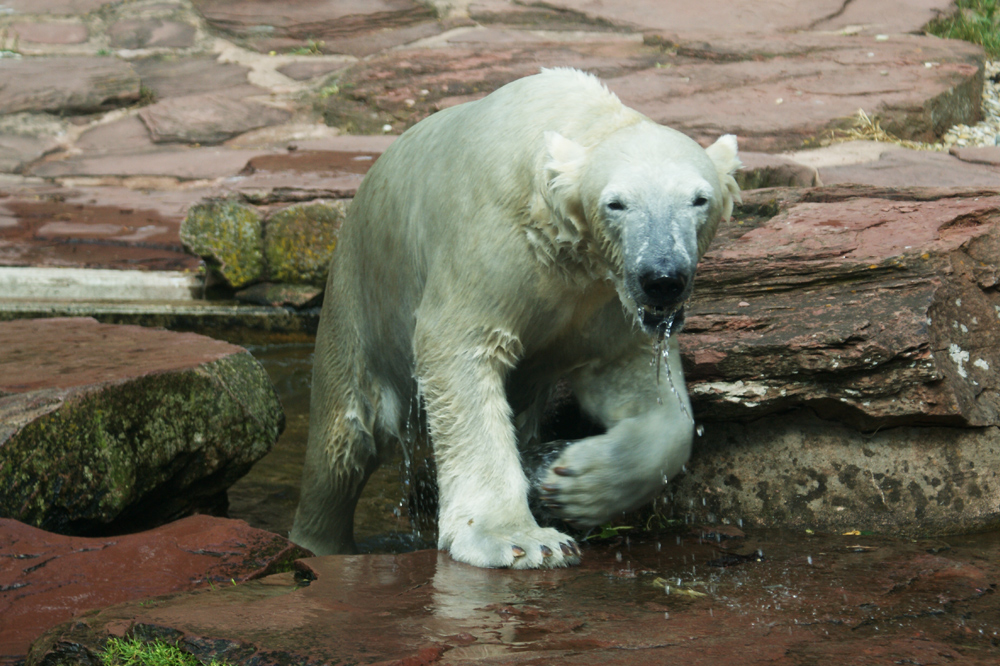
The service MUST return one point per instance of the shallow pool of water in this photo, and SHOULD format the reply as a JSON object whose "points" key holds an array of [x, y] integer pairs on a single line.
{"points": [[267, 496]]}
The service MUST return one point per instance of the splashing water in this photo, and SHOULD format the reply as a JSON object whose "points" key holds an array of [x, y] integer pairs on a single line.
{"points": [[661, 356]]}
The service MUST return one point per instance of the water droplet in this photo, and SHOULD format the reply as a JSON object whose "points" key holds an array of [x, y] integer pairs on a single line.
{"points": [[618, 556], [699, 430], [666, 615], [810, 560], [658, 546]]}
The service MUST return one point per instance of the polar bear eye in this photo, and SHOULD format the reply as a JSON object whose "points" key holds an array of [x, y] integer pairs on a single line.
{"points": [[699, 201], [616, 204]]}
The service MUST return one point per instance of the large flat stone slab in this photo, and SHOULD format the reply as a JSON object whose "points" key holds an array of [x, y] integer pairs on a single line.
{"points": [[811, 600], [66, 84], [109, 429], [180, 162], [404, 86], [189, 75], [335, 26], [772, 102], [49, 33], [888, 165], [778, 103], [718, 18], [207, 118], [56, 7], [46, 578]]}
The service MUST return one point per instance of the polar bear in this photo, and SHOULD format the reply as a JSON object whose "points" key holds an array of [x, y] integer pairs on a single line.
{"points": [[546, 232]]}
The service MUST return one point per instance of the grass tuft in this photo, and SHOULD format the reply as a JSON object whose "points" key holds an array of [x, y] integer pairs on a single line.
{"points": [[976, 21], [134, 652]]}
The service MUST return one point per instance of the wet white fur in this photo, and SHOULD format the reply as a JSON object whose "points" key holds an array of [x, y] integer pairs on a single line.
{"points": [[478, 265]]}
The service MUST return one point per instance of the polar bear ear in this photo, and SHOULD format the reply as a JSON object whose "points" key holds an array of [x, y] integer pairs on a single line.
{"points": [[563, 169], [723, 155]]}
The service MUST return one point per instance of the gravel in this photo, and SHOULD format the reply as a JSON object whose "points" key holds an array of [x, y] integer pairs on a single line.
{"points": [[987, 131]]}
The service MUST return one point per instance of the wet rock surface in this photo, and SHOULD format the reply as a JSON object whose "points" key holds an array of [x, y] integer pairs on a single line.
{"points": [[46, 579], [98, 435], [112, 227], [874, 307], [689, 598]]}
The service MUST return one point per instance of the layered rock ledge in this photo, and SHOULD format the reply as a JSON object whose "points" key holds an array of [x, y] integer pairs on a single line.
{"points": [[842, 352]]}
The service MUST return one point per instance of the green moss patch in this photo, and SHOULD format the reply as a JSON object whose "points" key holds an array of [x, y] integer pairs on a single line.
{"points": [[229, 236], [300, 240]]}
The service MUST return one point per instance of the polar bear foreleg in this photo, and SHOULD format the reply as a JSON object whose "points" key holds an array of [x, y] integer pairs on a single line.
{"points": [[483, 514], [648, 441]]}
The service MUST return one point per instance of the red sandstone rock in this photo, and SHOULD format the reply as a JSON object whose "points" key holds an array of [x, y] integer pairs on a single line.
{"points": [[859, 599], [49, 33], [989, 155], [902, 167], [46, 579], [874, 307], [57, 7], [107, 429], [207, 118], [715, 18], [67, 85], [189, 75], [151, 33], [98, 228], [328, 21]]}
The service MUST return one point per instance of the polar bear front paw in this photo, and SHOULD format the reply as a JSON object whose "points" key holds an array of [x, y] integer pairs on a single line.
{"points": [[585, 487], [518, 548]]}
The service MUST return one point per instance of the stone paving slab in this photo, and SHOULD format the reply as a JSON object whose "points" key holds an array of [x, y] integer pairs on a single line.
{"points": [[189, 75], [717, 19], [888, 165], [207, 118], [73, 85]]}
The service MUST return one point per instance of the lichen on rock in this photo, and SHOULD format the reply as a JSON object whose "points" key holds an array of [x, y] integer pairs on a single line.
{"points": [[229, 236], [300, 239]]}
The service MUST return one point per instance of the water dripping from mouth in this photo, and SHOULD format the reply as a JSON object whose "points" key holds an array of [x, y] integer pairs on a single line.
{"points": [[661, 356]]}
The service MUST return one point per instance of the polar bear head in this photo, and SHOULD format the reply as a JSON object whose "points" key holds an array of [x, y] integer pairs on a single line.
{"points": [[652, 199]]}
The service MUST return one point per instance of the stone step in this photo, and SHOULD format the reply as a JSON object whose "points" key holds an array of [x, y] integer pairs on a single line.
{"points": [[91, 284]]}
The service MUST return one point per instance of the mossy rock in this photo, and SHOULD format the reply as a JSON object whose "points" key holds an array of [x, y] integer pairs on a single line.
{"points": [[135, 454], [228, 235], [299, 241]]}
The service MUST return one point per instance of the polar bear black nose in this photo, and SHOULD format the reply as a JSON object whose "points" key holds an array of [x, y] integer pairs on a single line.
{"points": [[662, 290]]}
